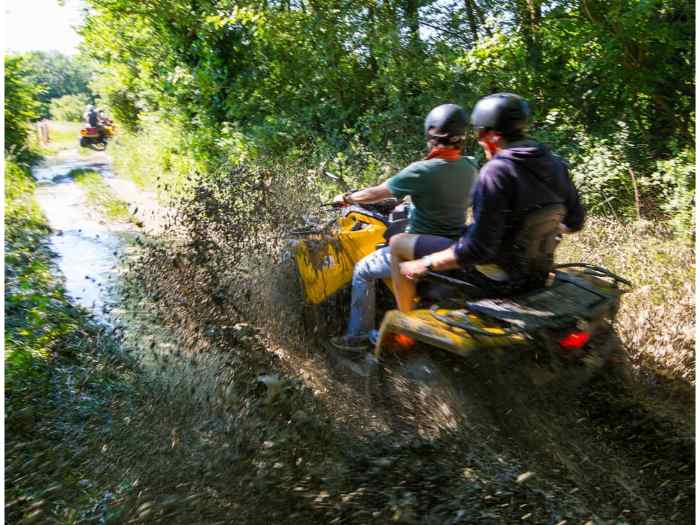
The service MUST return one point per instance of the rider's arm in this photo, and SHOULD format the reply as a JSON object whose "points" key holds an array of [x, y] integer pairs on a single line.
{"points": [[436, 262], [491, 206], [366, 196]]}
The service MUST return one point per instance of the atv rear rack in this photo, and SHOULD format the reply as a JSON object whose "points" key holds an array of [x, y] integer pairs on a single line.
{"points": [[569, 299], [595, 271], [465, 324]]}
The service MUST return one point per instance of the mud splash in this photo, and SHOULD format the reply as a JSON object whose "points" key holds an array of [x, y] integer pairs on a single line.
{"points": [[247, 410], [500, 419]]}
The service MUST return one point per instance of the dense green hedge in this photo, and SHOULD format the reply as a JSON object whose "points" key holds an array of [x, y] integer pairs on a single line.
{"points": [[347, 85], [21, 105]]}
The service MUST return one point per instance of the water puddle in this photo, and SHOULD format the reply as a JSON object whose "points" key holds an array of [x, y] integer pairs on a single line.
{"points": [[88, 247]]}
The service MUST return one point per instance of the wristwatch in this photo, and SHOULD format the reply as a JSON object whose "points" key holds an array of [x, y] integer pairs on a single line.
{"points": [[428, 262]]}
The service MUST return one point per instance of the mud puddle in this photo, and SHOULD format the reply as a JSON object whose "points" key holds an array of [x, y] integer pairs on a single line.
{"points": [[87, 246]]}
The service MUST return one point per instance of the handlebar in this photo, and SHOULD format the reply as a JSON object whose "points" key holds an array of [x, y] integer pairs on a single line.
{"points": [[384, 206], [332, 205]]}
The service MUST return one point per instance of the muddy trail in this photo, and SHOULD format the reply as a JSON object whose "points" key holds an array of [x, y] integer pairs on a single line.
{"points": [[243, 415]]}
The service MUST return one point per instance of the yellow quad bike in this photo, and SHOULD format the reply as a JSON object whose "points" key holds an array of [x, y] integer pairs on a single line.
{"points": [[576, 305], [96, 137]]}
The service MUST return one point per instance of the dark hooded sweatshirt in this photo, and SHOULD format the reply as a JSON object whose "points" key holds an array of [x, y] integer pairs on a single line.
{"points": [[519, 179]]}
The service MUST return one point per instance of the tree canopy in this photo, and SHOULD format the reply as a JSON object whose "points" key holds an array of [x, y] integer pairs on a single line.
{"points": [[287, 76], [322, 66], [57, 75]]}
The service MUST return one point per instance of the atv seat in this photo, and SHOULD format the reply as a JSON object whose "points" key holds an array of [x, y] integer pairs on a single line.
{"points": [[527, 264]]}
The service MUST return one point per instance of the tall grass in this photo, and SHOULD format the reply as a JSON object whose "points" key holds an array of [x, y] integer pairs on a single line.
{"points": [[62, 136], [657, 319], [100, 196], [37, 316]]}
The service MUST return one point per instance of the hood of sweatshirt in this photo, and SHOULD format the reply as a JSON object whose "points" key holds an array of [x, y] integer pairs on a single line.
{"points": [[531, 155]]}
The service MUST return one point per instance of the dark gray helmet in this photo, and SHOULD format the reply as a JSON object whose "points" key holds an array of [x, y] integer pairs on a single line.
{"points": [[448, 121], [506, 113]]}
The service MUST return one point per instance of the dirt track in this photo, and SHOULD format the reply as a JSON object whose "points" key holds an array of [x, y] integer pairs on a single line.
{"points": [[241, 414]]}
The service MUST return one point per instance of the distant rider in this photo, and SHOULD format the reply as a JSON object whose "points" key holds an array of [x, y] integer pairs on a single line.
{"points": [[521, 175], [440, 187], [103, 119], [91, 117]]}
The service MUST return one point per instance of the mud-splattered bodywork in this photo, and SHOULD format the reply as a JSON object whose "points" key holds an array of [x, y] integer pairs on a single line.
{"points": [[325, 262], [572, 299], [576, 296]]}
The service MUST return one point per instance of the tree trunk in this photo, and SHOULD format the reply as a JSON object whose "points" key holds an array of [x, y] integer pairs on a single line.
{"points": [[471, 19], [410, 8], [529, 16]]}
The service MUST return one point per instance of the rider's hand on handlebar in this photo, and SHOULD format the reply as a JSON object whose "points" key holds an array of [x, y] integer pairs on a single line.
{"points": [[414, 269], [339, 200]]}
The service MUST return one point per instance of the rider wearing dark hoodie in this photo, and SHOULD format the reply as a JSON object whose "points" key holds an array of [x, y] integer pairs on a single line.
{"points": [[521, 175]]}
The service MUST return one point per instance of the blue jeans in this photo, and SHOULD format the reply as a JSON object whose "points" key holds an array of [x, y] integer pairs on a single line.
{"points": [[377, 265]]}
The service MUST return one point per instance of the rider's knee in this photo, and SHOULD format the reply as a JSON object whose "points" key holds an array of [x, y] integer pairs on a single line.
{"points": [[397, 243], [397, 239]]}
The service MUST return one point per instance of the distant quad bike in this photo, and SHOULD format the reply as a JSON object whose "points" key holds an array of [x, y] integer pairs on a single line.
{"points": [[96, 138], [570, 317]]}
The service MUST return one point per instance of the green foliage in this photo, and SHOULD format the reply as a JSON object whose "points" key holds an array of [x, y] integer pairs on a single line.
{"points": [[21, 106], [261, 81], [600, 165], [157, 157], [68, 108], [673, 184], [57, 75], [37, 314]]}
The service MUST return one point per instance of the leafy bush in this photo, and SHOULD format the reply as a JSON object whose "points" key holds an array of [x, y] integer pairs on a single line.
{"points": [[599, 165], [673, 184], [21, 105], [604, 176], [69, 108], [157, 157]]}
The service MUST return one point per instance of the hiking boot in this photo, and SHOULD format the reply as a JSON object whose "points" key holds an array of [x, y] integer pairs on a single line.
{"points": [[350, 343]]}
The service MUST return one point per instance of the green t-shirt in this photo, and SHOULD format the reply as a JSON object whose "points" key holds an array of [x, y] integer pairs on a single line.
{"points": [[440, 192]]}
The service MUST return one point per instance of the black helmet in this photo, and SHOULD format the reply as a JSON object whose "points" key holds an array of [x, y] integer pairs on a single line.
{"points": [[506, 113], [448, 121]]}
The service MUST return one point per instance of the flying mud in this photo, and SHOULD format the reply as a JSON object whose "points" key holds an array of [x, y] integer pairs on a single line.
{"points": [[497, 438]]}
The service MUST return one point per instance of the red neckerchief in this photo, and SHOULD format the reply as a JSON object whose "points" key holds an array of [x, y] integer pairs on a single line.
{"points": [[443, 152]]}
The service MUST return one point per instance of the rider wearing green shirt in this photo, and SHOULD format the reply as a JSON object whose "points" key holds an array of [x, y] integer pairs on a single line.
{"points": [[439, 187]]}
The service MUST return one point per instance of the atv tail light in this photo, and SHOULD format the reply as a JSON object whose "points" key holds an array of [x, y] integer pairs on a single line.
{"points": [[574, 340], [401, 341], [404, 340]]}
